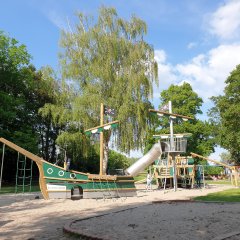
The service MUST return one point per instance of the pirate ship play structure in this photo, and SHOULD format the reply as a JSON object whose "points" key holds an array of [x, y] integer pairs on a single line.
{"points": [[58, 182]]}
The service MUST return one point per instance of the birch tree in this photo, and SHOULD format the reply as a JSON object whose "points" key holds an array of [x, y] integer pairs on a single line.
{"points": [[110, 62]]}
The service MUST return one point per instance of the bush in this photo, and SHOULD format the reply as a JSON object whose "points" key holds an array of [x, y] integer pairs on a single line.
{"points": [[213, 170]]}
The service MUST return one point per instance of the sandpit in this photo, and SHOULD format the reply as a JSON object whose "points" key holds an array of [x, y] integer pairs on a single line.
{"points": [[173, 220], [24, 217]]}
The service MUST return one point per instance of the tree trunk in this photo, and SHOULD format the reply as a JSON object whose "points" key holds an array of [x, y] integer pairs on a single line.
{"points": [[106, 151], [105, 157]]}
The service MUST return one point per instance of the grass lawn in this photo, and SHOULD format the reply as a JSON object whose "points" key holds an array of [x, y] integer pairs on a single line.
{"points": [[140, 176], [231, 195], [11, 189], [225, 182]]}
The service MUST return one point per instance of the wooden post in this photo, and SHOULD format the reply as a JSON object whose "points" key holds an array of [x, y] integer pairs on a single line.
{"points": [[235, 176], [3, 152], [101, 140]]}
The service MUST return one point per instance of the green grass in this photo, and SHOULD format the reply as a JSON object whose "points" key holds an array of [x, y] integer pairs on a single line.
{"points": [[11, 189], [139, 177], [231, 195], [225, 182]]}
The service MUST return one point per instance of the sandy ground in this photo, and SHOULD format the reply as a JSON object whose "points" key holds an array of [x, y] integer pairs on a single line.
{"points": [[24, 217]]}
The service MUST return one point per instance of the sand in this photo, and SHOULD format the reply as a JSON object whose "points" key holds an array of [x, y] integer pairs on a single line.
{"points": [[142, 217]]}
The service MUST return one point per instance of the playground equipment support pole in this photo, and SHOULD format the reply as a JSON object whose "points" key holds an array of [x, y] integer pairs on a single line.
{"points": [[2, 166], [172, 148], [171, 128], [101, 140]]}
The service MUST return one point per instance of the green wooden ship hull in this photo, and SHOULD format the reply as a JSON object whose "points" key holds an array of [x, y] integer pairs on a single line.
{"points": [[56, 182], [72, 184]]}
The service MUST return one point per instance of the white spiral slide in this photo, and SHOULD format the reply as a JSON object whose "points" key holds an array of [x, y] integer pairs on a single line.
{"points": [[145, 161]]}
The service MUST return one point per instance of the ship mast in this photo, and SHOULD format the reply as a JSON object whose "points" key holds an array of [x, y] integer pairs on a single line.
{"points": [[101, 140], [172, 151], [100, 129]]}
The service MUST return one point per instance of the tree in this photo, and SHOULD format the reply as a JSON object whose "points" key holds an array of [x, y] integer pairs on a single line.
{"points": [[48, 90], [20, 98], [57, 128], [186, 102], [16, 109], [23, 90], [117, 161], [225, 115], [110, 62], [226, 157]]}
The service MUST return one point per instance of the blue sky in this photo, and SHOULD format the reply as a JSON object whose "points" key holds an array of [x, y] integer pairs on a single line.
{"points": [[195, 41]]}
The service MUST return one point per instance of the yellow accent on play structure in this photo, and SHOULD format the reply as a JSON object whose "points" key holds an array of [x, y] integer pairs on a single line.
{"points": [[235, 173]]}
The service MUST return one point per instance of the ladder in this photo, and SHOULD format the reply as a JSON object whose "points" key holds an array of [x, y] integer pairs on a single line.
{"points": [[23, 174]]}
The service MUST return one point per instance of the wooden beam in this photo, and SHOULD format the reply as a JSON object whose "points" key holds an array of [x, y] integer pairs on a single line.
{"points": [[170, 114], [211, 160], [102, 177], [24, 152], [39, 161], [101, 126]]}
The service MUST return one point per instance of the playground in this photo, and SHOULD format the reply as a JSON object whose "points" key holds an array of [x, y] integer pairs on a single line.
{"points": [[115, 206], [107, 133], [27, 217]]}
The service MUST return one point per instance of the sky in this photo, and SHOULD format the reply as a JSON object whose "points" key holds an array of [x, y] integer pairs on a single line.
{"points": [[195, 41]]}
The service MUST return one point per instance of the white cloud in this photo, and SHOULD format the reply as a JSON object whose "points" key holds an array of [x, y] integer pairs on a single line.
{"points": [[206, 72], [57, 19], [165, 73], [192, 45], [225, 21], [160, 56], [53, 11]]}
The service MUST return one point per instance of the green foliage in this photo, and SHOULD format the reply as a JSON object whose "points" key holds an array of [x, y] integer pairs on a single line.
{"points": [[111, 63], [226, 157], [106, 61], [117, 160], [55, 112], [186, 102], [16, 83], [212, 170], [225, 116], [23, 90], [84, 155]]}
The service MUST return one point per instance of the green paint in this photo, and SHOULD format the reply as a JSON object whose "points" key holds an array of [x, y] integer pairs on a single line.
{"points": [[57, 172], [190, 161], [51, 171]]}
